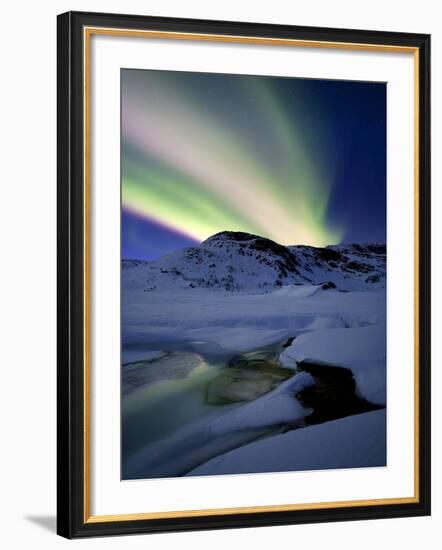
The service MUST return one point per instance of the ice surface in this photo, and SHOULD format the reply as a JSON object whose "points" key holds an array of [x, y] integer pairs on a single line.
{"points": [[226, 428]]}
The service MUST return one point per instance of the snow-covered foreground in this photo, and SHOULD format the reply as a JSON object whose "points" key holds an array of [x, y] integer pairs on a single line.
{"points": [[213, 377], [351, 442], [331, 327]]}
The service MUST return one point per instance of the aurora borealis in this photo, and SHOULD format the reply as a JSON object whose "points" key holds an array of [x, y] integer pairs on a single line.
{"points": [[298, 161]]}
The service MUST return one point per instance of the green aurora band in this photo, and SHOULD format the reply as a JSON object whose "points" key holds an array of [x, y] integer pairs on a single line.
{"points": [[207, 153]]}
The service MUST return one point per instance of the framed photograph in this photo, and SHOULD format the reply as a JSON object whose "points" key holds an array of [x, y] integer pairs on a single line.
{"points": [[243, 274]]}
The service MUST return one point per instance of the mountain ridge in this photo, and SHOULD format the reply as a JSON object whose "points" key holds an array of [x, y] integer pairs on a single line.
{"points": [[242, 262]]}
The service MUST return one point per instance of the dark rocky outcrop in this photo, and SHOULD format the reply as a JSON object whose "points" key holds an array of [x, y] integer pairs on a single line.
{"points": [[334, 394]]}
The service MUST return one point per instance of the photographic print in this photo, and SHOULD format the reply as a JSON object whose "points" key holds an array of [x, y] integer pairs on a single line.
{"points": [[227, 194], [253, 274]]}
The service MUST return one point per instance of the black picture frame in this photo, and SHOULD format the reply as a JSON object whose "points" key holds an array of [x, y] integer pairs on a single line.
{"points": [[72, 505]]}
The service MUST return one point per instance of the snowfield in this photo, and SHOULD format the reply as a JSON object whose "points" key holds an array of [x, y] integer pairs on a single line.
{"points": [[242, 322], [235, 296]]}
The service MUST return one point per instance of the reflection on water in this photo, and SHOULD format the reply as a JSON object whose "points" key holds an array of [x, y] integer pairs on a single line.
{"points": [[186, 383]]}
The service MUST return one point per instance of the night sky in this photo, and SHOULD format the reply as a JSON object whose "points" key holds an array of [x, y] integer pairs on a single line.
{"points": [[298, 161]]}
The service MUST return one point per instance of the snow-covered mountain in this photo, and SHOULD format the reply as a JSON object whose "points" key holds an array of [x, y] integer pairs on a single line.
{"points": [[241, 262]]}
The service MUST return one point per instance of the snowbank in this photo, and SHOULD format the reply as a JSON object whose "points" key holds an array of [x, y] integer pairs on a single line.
{"points": [[351, 442], [360, 349]]}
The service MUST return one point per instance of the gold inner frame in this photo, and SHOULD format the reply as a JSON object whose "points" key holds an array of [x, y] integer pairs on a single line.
{"points": [[88, 32]]}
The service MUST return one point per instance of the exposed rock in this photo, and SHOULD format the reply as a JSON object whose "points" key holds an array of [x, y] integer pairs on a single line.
{"points": [[334, 394], [241, 262], [245, 380]]}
